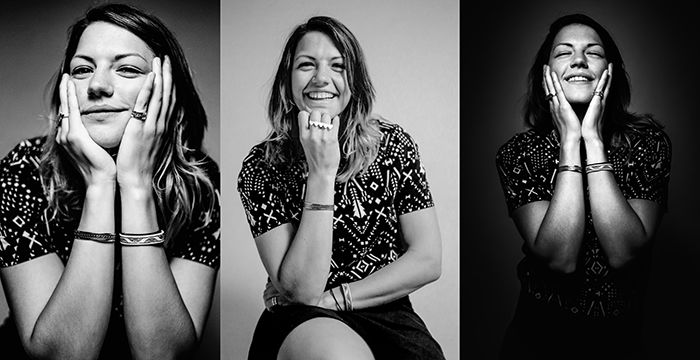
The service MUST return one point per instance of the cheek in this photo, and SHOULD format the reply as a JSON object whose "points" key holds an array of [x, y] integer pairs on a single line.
{"points": [[130, 90]]}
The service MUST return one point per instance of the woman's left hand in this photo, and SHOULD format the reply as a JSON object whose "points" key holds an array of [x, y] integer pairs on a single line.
{"points": [[272, 297], [141, 141], [592, 124]]}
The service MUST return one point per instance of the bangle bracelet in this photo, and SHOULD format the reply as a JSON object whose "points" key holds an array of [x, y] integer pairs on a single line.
{"points": [[99, 237], [154, 238], [574, 168], [602, 166], [313, 206], [346, 296]]}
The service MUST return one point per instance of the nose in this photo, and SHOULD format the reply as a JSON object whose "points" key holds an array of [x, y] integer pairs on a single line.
{"points": [[579, 60], [100, 84], [322, 76]]}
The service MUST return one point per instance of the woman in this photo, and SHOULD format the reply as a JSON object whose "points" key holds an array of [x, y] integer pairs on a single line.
{"points": [[586, 186], [110, 222], [341, 213]]}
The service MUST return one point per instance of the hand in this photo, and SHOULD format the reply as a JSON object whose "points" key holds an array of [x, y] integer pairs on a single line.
{"points": [[136, 160], [321, 146], [565, 118], [272, 297], [91, 160], [592, 125]]}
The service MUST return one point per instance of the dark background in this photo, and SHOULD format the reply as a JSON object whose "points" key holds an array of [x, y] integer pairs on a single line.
{"points": [[659, 43]]}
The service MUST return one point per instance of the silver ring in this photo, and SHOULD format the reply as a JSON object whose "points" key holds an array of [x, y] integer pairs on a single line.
{"points": [[550, 96], [599, 93], [321, 125], [61, 116], [138, 115]]}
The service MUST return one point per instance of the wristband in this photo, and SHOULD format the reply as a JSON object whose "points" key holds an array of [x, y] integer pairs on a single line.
{"points": [[602, 166], [313, 206], [153, 238], [574, 168], [98, 237]]}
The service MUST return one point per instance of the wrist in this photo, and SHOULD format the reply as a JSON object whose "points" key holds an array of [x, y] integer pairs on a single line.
{"points": [[320, 189], [100, 190]]}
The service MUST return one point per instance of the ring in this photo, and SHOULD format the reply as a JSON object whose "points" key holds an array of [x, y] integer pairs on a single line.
{"points": [[599, 93], [550, 96], [138, 115], [321, 125], [61, 116]]}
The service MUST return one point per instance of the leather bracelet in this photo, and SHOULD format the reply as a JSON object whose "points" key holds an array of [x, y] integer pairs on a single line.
{"points": [[154, 238], [106, 238], [313, 206]]}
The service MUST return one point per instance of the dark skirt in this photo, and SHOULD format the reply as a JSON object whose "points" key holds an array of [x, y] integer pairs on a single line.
{"points": [[392, 331]]}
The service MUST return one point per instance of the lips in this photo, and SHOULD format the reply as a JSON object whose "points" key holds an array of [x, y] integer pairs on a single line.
{"points": [[579, 78], [320, 95], [102, 109]]}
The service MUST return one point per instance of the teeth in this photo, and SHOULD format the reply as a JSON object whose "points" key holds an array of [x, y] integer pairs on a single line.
{"points": [[578, 78], [316, 95]]}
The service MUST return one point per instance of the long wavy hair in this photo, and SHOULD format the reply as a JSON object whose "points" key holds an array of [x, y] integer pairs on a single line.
{"points": [[179, 181], [359, 130], [618, 122]]}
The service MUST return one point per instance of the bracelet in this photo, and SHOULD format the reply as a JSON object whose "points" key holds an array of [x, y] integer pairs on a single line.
{"points": [[153, 238], [313, 206], [106, 238], [346, 296], [337, 304], [602, 166], [574, 168]]}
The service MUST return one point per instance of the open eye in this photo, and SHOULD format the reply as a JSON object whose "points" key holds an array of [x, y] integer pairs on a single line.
{"points": [[81, 72]]}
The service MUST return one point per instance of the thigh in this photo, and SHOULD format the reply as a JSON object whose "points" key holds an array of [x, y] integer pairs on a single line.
{"points": [[324, 338]]}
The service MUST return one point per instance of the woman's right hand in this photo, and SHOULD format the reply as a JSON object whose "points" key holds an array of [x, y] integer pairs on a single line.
{"points": [[91, 160], [321, 146], [565, 118]]}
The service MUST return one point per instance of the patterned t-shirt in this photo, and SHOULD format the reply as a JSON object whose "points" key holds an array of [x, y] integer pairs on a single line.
{"points": [[366, 229], [27, 232], [527, 166]]}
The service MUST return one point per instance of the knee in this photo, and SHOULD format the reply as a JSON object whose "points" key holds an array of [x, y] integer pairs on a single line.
{"points": [[324, 339]]}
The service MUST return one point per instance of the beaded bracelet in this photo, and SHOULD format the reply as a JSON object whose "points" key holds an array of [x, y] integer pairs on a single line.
{"points": [[154, 238], [106, 238], [574, 168], [601, 166]]}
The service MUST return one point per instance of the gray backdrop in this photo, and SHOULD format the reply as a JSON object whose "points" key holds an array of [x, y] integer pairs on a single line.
{"points": [[32, 42], [658, 41], [413, 59]]}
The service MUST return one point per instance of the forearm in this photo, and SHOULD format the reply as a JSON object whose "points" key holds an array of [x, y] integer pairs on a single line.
{"points": [[560, 234], [620, 231], [304, 270], [74, 321], [158, 324]]}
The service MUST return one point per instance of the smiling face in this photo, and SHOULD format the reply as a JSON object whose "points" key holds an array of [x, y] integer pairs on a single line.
{"points": [[109, 67], [319, 80], [578, 59]]}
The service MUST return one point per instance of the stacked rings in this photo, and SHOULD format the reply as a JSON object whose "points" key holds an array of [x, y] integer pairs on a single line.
{"points": [[138, 115], [320, 125]]}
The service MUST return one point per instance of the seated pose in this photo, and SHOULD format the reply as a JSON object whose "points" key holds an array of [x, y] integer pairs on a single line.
{"points": [[586, 186], [109, 244], [339, 206]]}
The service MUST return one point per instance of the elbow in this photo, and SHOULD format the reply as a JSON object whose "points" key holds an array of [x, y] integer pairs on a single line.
{"points": [[563, 265], [433, 268]]}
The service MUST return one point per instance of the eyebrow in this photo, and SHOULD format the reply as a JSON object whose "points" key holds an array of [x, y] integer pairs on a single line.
{"points": [[313, 58], [116, 57], [572, 45]]}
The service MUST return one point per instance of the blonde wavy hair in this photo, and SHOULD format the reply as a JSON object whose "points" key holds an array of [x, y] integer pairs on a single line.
{"points": [[359, 131], [180, 181]]}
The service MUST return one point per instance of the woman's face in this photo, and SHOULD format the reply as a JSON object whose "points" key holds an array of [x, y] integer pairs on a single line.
{"points": [[108, 69], [578, 59], [319, 80]]}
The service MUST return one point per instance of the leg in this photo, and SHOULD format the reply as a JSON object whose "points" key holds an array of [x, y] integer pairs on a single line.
{"points": [[324, 338]]}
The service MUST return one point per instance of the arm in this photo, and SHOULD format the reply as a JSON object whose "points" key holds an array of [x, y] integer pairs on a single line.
{"points": [[420, 265], [298, 260], [165, 302], [63, 313], [623, 227]]}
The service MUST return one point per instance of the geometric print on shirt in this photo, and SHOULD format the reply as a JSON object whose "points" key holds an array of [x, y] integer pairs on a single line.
{"points": [[366, 229], [527, 166]]}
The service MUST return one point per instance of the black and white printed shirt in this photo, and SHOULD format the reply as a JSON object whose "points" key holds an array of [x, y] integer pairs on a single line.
{"points": [[527, 166], [366, 229]]}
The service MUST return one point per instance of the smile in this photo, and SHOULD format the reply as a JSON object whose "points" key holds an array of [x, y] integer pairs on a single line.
{"points": [[320, 95], [578, 79]]}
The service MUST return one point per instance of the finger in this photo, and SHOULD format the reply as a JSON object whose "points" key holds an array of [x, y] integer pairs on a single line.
{"points": [[167, 88], [335, 122], [173, 98], [73, 109], [315, 117], [545, 86], [62, 121], [142, 98], [155, 100], [608, 82], [549, 82], [303, 122], [559, 97]]}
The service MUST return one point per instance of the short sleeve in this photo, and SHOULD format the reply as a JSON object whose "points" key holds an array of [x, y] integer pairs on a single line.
{"points": [[24, 233], [413, 192], [526, 165], [200, 240], [262, 193], [647, 169]]}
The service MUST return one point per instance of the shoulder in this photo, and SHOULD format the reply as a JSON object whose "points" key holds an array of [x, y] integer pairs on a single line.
{"points": [[650, 135], [526, 142], [394, 138], [256, 168], [23, 160]]}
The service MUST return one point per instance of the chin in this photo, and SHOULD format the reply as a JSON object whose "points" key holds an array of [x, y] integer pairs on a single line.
{"points": [[106, 136]]}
